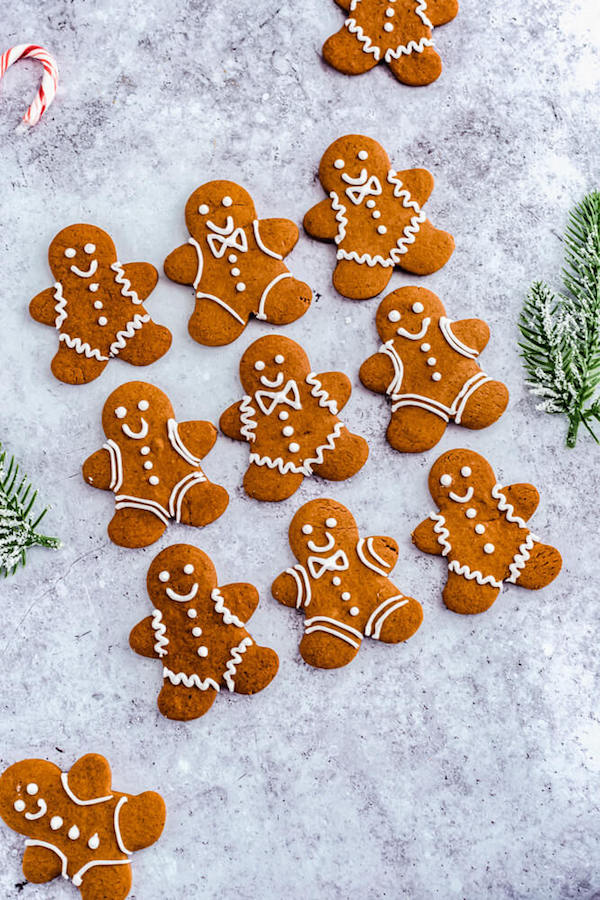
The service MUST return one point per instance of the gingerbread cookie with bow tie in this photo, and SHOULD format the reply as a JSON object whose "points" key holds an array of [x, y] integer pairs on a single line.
{"points": [[374, 216], [342, 585], [235, 263], [398, 32], [198, 630], [289, 417], [152, 465], [77, 826], [481, 529], [427, 367], [96, 305]]}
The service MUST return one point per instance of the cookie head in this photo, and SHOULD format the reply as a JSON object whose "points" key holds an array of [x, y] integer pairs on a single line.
{"points": [[354, 165], [408, 313], [180, 574], [219, 207], [81, 255], [23, 787], [134, 412], [322, 529], [270, 362], [459, 478]]}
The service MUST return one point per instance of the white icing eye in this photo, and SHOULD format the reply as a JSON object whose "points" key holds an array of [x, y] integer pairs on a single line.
{"points": [[19, 805], [90, 248], [465, 471], [188, 569], [488, 548], [394, 315], [120, 412], [381, 229], [143, 405], [346, 595], [192, 613], [73, 832], [279, 359], [226, 201], [55, 823], [203, 209], [339, 164], [446, 480], [70, 252], [307, 529], [331, 523], [32, 789], [417, 307], [94, 842], [164, 576], [362, 154], [202, 651], [197, 632], [259, 365]]}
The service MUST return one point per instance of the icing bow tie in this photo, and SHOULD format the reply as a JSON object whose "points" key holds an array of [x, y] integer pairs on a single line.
{"points": [[223, 239], [288, 395], [358, 192], [337, 562]]}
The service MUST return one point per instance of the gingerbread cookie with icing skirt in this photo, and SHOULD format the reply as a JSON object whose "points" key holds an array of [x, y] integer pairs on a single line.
{"points": [[96, 305], [481, 530], [235, 263], [152, 465], [289, 416], [342, 584], [77, 826], [427, 366], [197, 629], [398, 32], [374, 216]]}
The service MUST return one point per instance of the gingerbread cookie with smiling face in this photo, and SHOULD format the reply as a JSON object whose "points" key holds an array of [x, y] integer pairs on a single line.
{"points": [[427, 366], [481, 530], [77, 826], [198, 631], [342, 584], [96, 306], [235, 263], [152, 465], [374, 216], [289, 416], [398, 32]]}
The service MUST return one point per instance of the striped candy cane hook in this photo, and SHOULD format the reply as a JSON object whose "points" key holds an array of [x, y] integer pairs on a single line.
{"points": [[47, 90]]}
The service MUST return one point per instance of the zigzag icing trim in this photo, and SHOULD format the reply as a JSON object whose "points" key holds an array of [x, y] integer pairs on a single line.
{"points": [[306, 467], [247, 414], [193, 680], [365, 40], [402, 49], [82, 347], [61, 304], [521, 558], [340, 216], [233, 663], [160, 630], [228, 617], [125, 284], [128, 332], [318, 392], [407, 49]]}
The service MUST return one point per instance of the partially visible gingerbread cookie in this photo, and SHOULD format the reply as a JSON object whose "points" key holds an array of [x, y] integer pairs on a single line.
{"points": [[152, 465], [398, 32], [374, 216], [197, 629], [77, 826], [481, 530], [235, 263], [427, 367], [289, 416], [96, 305], [341, 583]]}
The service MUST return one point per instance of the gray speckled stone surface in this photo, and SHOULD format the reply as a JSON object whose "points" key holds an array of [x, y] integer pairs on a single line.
{"points": [[464, 764]]}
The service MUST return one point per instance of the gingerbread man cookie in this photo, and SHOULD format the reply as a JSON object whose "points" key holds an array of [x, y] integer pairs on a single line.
{"points": [[198, 631], [235, 263], [481, 530], [290, 417], [77, 826], [398, 32], [152, 465], [374, 216], [341, 582], [427, 366], [96, 306]]}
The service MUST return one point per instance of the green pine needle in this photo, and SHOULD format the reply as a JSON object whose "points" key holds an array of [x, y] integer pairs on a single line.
{"points": [[17, 524], [560, 343]]}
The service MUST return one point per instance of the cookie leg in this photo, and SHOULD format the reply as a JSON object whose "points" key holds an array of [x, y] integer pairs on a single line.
{"points": [[176, 701], [263, 483], [257, 669], [147, 345], [542, 567], [485, 405], [213, 325], [135, 528], [75, 368], [203, 503], [431, 250], [417, 68], [100, 882], [414, 430], [468, 597], [41, 865], [345, 460], [360, 282], [344, 52], [393, 623], [325, 651], [286, 301]]}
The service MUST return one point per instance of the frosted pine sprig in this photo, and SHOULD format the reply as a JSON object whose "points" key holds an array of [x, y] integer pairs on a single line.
{"points": [[17, 523], [560, 343]]}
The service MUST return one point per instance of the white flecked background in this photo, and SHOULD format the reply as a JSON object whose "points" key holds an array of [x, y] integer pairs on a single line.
{"points": [[464, 764]]}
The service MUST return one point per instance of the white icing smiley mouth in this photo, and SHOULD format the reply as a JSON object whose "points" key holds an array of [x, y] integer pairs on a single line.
{"points": [[459, 499], [359, 180], [415, 337], [272, 384], [182, 598], [86, 274], [43, 809], [323, 548], [136, 435]]}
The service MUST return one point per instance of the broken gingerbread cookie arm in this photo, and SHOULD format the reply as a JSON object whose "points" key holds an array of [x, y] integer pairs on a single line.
{"points": [[321, 222], [43, 307], [181, 265], [277, 236]]}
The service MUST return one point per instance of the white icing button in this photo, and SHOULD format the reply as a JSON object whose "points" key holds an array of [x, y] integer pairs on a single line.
{"points": [[287, 431], [394, 315], [284, 414], [446, 480], [143, 405], [98, 304], [232, 258], [235, 272], [120, 412], [362, 154], [226, 201], [381, 229], [488, 548], [346, 595], [164, 576], [32, 789], [479, 528], [202, 651], [279, 359], [331, 523], [437, 376], [259, 365], [339, 164], [203, 209], [307, 529], [336, 580], [73, 832], [370, 204], [192, 613], [55, 823], [471, 513], [377, 215], [154, 479], [188, 569], [431, 361], [465, 471], [145, 451], [102, 320], [20, 805], [354, 610], [388, 26], [70, 252], [240, 286], [425, 348], [417, 307], [293, 447], [148, 465], [90, 248], [94, 842], [93, 287], [196, 631]]}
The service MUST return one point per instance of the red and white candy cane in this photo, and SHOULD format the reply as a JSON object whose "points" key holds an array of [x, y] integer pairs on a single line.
{"points": [[47, 90]]}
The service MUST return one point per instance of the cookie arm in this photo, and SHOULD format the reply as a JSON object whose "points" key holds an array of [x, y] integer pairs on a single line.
{"points": [[230, 422], [475, 333], [285, 589], [97, 470], [278, 235], [320, 221], [425, 538], [384, 550], [418, 182], [142, 639], [337, 385], [523, 497], [90, 777], [440, 12], [43, 307], [377, 373], [41, 865], [182, 264], [142, 819], [199, 437], [240, 598], [143, 277]]}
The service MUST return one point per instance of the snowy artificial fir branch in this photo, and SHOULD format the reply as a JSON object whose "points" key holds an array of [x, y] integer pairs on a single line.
{"points": [[561, 332], [17, 523]]}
